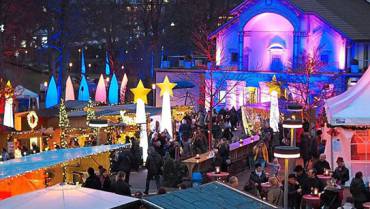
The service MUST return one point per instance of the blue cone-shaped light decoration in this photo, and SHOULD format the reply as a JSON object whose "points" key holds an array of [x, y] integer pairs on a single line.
{"points": [[51, 94], [113, 90], [83, 91], [83, 67], [107, 67]]}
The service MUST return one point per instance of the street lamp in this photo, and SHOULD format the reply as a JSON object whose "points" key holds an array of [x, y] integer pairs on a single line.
{"points": [[292, 124], [70, 66], [286, 153], [153, 92], [98, 124]]}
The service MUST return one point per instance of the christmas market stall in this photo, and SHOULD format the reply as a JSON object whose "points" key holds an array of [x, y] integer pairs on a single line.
{"points": [[48, 168], [348, 130]]}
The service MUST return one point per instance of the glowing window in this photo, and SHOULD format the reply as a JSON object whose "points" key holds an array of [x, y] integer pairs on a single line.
{"points": [[360, 145]]}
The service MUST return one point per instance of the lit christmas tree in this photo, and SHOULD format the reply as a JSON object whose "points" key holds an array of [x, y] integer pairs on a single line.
{"points": [[63, 123], [90, 112]]}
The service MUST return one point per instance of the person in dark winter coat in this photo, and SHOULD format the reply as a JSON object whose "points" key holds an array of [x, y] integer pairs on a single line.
{"points": [[104, 179], [120, 186], [153, 164], [329, 199], [227, 134], [199, 142], [256, 178], [184, 131], [312, 182], [223, 150], [125, 160], [300, 174], [341, 173], [93, 181], [321, 165], [305, 153], [294, 192], [358, 190]]}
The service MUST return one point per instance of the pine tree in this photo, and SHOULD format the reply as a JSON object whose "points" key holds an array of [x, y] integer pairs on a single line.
{"points": [[63, 123], [63, 116], [90, 112]]}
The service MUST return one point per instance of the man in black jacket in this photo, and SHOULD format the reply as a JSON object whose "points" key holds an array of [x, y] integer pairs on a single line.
{"points": [[304, 148], [321, 165], [312, 182], [93, 181], [256, 178], [120, 186], [153, 164], [341, 173], [300, 174], [294, 192], [125, 160]]}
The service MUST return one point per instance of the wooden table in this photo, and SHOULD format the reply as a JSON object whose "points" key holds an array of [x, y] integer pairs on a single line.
{"points": [[222, 176], [238, 156], [312, 201], [366, 205], [324, 179], [202, 162]]}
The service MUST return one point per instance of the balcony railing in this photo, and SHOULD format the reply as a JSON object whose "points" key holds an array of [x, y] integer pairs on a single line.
{"points": [[184, 62]]}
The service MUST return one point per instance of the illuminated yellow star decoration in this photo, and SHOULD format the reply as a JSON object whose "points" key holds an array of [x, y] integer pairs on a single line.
{"points": [[166, 86], [140, 92], [274, 85]]}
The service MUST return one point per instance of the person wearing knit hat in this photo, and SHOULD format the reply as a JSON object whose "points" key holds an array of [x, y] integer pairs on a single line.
{"points": [[341, 173]]}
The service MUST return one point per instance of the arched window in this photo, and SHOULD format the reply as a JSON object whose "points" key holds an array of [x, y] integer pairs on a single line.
{"points": [[360, 145]]}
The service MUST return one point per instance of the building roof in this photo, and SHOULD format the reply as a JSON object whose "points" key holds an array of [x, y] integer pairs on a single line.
{"points": [[349, 17], [213, 195]]}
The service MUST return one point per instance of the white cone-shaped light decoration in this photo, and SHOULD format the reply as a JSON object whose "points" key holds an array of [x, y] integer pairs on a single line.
{"points": [[83, 91], [8, 113], [51, 94], [8, 110], [70, 93], [274, 111], [166, 92], [101, 91], [123, 89], [140, 93], [113, 90]]}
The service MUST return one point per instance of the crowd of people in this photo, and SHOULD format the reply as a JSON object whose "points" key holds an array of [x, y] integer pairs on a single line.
{"points": [[191, 137]]}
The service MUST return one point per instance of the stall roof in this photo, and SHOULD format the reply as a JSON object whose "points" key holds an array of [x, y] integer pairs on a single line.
{"points": [[115, 110], [22, 92], [349, 108], [68, 196], [75, 109], [213, 195], [50, 158]]}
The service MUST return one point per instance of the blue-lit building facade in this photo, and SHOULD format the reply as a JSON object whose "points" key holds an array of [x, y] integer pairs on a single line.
{"points": [[276, 37]]}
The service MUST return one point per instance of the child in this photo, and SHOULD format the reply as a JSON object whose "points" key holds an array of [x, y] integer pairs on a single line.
{"points": [[275, 167]]}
